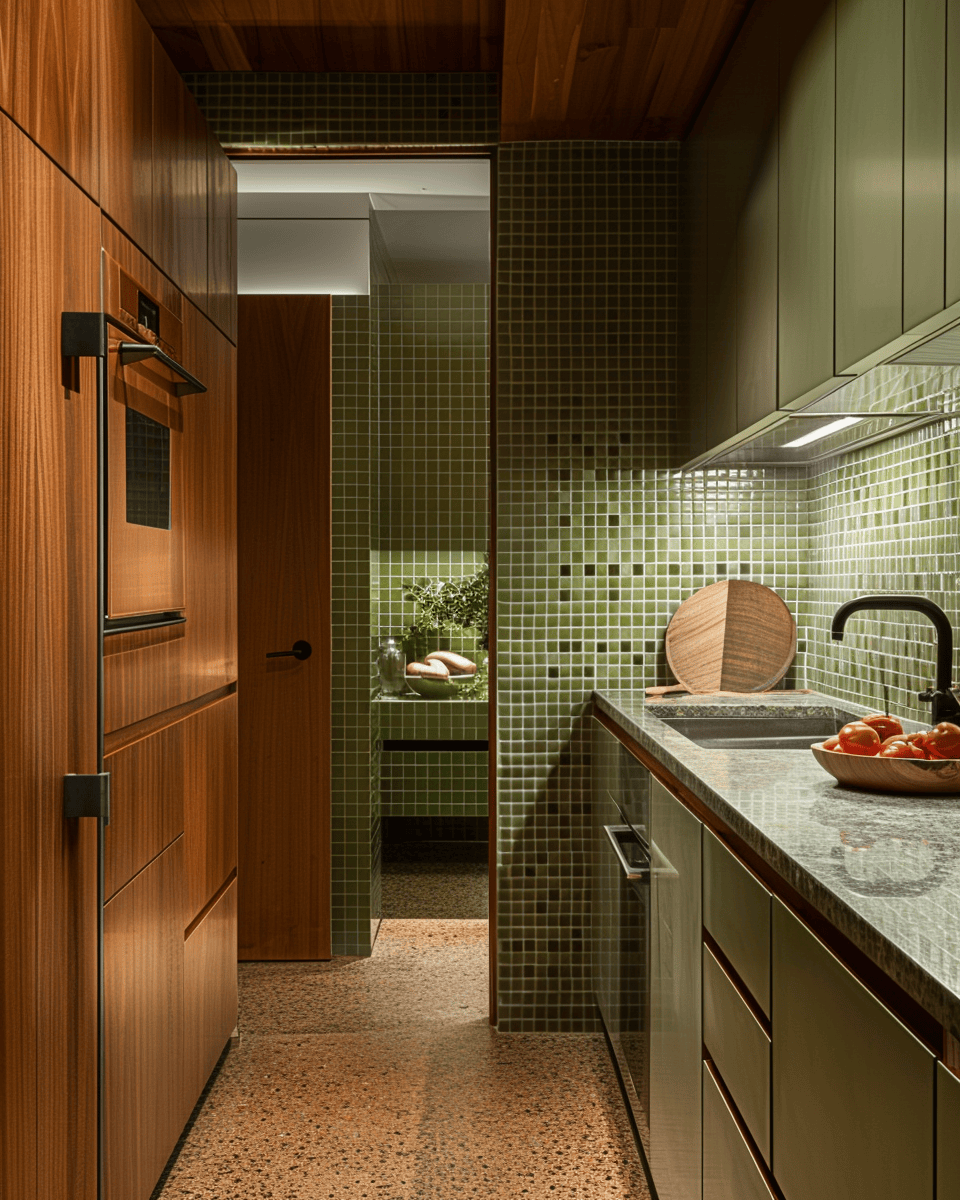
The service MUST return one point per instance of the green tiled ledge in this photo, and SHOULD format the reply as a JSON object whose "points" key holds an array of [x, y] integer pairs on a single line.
{"points": [[416, 719], [434, 783]]}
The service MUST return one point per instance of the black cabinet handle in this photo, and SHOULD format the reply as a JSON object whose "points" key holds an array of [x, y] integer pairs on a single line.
{"points": [[300, 650], [131, 352]]}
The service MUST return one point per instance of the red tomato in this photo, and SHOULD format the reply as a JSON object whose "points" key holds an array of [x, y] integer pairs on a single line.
{"points": [[857, 738], [943, 741], [832, 743], [885, 726], [897, 748]]}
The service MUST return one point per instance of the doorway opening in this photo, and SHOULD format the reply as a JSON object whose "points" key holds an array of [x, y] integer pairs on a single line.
{"points": [[402, 245]]}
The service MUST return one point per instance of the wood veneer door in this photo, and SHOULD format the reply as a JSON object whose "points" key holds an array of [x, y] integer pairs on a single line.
{"points": [[49, 263], [284, 373]]}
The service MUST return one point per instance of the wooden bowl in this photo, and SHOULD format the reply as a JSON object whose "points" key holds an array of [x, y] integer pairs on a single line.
{"points": [[912, 776]]}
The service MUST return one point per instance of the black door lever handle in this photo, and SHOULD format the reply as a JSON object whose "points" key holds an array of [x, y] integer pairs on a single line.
{"points": [[300, 650]]}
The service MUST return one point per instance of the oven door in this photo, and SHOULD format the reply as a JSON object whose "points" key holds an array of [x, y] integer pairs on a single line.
{"points": [[624, 994], [144, 454]]}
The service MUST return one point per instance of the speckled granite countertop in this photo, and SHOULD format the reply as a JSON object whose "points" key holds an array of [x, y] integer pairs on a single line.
{"points": [[883, 869]]}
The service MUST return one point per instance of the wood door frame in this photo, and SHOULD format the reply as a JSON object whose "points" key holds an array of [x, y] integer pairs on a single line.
{"points": [[489, 153]]}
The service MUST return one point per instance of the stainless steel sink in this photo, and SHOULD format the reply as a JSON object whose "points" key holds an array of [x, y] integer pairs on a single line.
{"points": [[756, 733]]}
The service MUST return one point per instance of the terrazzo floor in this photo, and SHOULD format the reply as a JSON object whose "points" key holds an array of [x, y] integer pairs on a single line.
{"points": [[431, 890], [381, 1078]]}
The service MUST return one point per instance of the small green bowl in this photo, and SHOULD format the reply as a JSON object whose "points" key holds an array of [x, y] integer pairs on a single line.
{"points": [[438, 689]]}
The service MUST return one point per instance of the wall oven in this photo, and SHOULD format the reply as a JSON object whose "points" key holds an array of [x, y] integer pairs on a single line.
{"points": [[622, 910], [143, 453]]}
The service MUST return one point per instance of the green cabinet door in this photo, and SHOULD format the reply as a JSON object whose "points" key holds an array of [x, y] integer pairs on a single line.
{"points": [[692, 299], [869, 198], [758, 219], [924, 185], [806, 185], [953, 153], [853, 1089]]}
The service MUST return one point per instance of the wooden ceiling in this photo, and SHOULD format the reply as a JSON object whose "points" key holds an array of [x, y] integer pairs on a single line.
{"points": [[570, 68]]}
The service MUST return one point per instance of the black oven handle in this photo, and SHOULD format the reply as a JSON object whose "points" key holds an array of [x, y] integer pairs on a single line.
{"points": [[131, 352]]}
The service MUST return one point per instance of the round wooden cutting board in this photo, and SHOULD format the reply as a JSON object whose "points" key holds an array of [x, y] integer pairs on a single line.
{"points": [[732, 636]]}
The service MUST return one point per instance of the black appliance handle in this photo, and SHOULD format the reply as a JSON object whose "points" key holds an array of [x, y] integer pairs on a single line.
{"points": [[300, 650], [131, 352], [633, 872]]}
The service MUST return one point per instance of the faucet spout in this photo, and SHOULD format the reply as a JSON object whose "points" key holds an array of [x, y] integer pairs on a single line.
{"points": [[945, 705]]}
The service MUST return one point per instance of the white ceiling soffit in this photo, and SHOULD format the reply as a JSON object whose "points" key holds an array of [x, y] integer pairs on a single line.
{"points": [[394, 176], [437, 247], [297, 205], [383, 202], [289, 258]]}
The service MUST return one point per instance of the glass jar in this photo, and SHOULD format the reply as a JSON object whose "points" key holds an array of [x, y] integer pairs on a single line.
{"points": [[392, 665]]}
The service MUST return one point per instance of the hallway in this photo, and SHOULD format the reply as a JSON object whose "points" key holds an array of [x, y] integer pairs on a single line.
{"points": [[380, 1078]]}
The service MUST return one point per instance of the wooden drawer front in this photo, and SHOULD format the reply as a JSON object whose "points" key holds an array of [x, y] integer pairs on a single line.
{"points": [[948, 1134], [736, 913], [739, 1048], [209, 992], [146, 802], [143, 1027], [729, 1170]]}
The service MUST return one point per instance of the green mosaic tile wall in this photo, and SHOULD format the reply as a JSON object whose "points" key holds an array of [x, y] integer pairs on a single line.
{"points": [[586, 315], [884, 519], [434, 398], [434, 783], [266, 109], [355, 866]]}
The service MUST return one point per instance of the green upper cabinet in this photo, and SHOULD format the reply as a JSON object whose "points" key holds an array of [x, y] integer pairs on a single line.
{"points": [[869, 199], [757, 225], [924, 191], [806, 174], [953, 153]]}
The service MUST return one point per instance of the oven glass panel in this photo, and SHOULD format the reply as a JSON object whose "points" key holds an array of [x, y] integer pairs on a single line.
{"points": [[148, 471]]}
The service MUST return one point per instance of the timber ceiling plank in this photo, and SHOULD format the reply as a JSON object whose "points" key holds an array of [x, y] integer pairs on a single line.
{"points": [[611, 68], [329, 35]]}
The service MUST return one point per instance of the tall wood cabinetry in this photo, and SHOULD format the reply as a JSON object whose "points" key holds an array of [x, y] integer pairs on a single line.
{"points": [[103, 150], [822, 234]]}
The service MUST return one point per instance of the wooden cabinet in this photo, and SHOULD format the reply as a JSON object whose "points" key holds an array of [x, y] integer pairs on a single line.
{"points": [[209, 991], [675, 990], [853, 1089], [869, 177], [126, 130], [210, 804], [48, 988], [924, 163], [49, 76], [180, 181], [146, 1103]]}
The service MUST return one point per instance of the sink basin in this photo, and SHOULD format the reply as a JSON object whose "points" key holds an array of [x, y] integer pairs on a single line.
{"points": [[756, 733]]}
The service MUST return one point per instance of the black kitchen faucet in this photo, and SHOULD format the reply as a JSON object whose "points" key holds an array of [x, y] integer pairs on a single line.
{"points": [[944, 703]]}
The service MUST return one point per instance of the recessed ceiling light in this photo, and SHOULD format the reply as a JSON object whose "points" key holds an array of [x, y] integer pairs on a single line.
{"points": [[824, 431]]}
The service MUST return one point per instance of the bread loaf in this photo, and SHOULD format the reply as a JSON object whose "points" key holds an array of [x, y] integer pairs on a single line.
{"points": [[428, 670], [456, 664]]}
